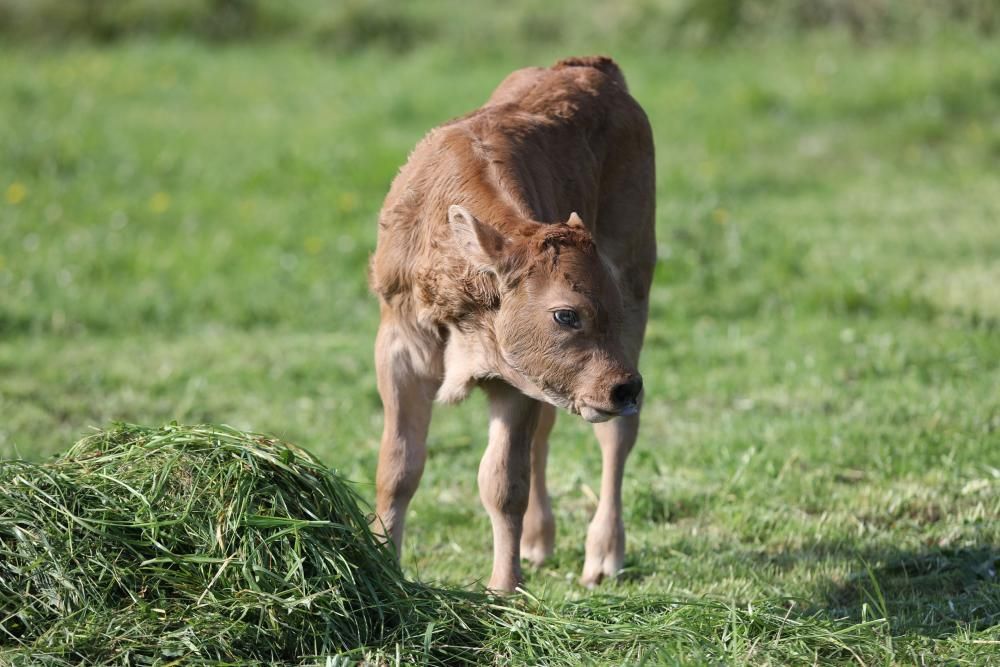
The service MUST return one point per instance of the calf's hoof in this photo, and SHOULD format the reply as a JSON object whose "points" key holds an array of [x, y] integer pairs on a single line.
{"points": [[504, 583], [538, 540], [597, 570], [605, 552]]}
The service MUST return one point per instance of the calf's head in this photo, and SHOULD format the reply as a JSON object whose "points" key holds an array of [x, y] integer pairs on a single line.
{"points": [[556, 329]]}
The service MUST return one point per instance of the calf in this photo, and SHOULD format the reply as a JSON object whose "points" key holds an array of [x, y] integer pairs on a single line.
{"points": [[515, 253]]}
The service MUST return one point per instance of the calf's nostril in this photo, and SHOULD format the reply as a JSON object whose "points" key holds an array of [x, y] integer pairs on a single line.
{"points": [[627, 392]]}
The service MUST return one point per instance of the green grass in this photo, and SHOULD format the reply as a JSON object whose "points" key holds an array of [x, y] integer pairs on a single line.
{"points": [[208, 545], [184, 232]]}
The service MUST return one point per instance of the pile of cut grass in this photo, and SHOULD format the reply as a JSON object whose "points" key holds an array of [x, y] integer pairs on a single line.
{"points": [[199, 542], [206, 544]]}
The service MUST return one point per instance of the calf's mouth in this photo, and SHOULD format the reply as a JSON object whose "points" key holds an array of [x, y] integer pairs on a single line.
{"points": [[596, 415]]}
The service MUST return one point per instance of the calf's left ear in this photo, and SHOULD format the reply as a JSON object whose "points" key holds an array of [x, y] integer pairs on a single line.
{"points": [[574, 220], [479, 242]]}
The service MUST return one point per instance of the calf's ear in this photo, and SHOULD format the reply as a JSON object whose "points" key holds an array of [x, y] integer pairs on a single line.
{"points": [[479, 242]]}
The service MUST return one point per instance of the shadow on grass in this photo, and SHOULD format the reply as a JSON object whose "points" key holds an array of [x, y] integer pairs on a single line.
{"points": [[934, 592]]}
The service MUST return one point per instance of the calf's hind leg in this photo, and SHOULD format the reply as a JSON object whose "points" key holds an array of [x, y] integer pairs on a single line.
{"points": [[538, 534], [407, 383]]}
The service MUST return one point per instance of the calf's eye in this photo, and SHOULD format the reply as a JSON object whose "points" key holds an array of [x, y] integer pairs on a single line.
{"points": [[567, 318]]}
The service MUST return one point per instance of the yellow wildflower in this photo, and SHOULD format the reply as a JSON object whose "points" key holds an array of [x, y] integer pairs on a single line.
{"points": [[313, 244], [720, 215], [159, 202], [16, 193], [347, 202]]}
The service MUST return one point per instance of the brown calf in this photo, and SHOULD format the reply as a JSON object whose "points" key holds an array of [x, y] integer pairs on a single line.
{"points": [[515, 253]]}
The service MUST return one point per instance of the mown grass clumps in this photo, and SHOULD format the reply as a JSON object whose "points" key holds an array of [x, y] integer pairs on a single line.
{"points": [[200, 542], [206, 544]]}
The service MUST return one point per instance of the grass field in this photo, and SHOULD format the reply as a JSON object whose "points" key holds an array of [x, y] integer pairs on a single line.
{"points": [[184, 233]]}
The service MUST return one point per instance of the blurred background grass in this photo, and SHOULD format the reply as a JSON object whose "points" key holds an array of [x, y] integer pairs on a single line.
{"points": [[189, 193], [355, 24]]}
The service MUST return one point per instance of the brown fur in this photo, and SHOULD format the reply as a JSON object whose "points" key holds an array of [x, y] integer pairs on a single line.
{"points": [[479, 244]]}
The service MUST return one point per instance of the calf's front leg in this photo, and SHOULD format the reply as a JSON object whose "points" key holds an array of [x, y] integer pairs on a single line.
{"points": [[605, 552], [504, 478], [407, 388]]}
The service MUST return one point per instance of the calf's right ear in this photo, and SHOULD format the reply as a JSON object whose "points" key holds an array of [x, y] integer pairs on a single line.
{"points": [[481, 244]]}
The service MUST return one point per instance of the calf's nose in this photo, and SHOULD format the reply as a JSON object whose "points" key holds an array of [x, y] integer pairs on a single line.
{"points": [[626, 394]]}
